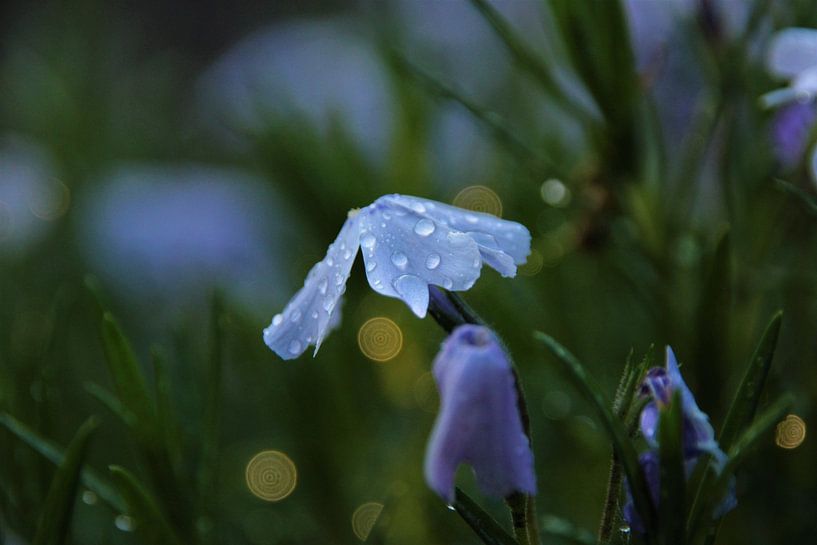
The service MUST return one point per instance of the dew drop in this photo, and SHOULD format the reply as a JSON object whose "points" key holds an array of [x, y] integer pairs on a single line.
{"points": [[399, 259], [367, 241], [447, 283], [470, 218], [277, 319], [418, 207], [124, 523], [386, 216], [475, 263], [432, 261], [450, 507], [296, 315], [383, 225], [322, 286], [347, 254], [370, 266], [295, 347], [328, 304], [314, 314], [338, 279], [330, 261], [424, 227]]}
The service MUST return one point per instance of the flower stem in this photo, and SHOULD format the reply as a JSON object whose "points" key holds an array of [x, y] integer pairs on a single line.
{"points": [[450, 311]]}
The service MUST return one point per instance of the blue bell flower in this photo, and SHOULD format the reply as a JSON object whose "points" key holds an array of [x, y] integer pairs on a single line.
{"points": [[478, 422]]}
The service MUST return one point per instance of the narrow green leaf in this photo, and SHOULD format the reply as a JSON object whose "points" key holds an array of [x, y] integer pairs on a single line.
{"points": [[488, 530], [672, 511], [700, 516], [747, 397], [807, 199], [127, 377], [111, 402], [165, 417], [55, 518], [614, 427], [144, 509], [54, 454], [564, 529]]}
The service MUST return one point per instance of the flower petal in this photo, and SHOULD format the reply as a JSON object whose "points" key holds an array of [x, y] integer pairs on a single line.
{"points": [[404, 251], [491, 233], [479, 422], [315, 309], [792, 51], [698, 432]]}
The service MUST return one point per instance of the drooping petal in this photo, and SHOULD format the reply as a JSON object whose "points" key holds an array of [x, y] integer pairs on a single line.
{"points": [[792, 51], [698, 433], [405, 251], [479, 422], [315, 309], [494, 235]]}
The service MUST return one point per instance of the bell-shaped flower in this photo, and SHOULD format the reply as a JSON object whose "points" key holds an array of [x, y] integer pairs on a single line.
{"points": [[407, 244], [698, 438], [479, 422]]}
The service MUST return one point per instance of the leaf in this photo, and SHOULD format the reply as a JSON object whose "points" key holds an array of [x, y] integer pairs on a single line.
{"points": [[714, 493], [128, 379], [143, 508], [53, 453], [111, 402], [488, 530], [55, 518], [165, 418], [672, 511], [614, 427], [747, 397], [808, 200]]}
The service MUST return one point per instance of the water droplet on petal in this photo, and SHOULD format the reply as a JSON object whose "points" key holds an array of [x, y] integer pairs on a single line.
{"points": [[322, 286], [347, 254], [476, 262], [432, 261], [447, 283], [367, 241], [399, 259], [418, 207], [314, 314], [338, 279], [277, 319], [424, 227], [386, 216], [328, 304], [295, 347], [330, 261], [296, 315], [414, 291], [451, 507], [470, 218], [370, 266]]}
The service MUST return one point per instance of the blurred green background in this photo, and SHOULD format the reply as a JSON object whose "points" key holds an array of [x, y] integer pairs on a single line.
{"points": [[196, 158]]}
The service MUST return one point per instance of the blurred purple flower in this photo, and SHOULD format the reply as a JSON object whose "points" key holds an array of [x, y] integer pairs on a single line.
{"points": [[659, 386], [479, 422], [407, 244], [790, 131], [325, 71], [157, 231]]}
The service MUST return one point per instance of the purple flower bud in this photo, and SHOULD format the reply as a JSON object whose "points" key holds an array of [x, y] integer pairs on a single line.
{"points": [[660, 385], [479, 422], [790, 131]]}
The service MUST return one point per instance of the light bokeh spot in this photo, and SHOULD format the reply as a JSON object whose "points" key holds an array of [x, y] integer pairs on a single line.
{"points": [[380, 339], [479, 199], [791, 432], [364, 518], [271, 475]]}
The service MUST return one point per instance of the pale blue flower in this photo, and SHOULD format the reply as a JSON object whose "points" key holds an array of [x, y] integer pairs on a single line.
{"points": [[479, 422], [407, 244]]}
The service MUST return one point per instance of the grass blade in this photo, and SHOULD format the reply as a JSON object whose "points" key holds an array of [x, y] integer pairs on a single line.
{"points": [[54, 454], [55, 518], [808, 200], [488, 530], [111, 402], [566, 531], [614, 427], [673, 494], [747, 397], [143, 508]]}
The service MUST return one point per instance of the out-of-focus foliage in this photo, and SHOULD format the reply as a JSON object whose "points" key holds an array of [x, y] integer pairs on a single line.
{"points": [[185, 154]]}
